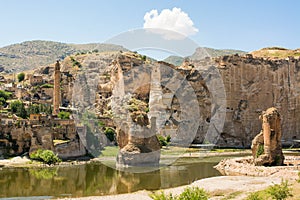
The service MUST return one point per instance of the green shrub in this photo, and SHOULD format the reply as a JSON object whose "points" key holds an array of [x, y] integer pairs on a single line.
{"points": [[143, 57], [75, 62], [63, 115], [168, 139], [190, 193], [162, 196], [45, 156], [299, 177], [193, 193], [254, 196], [5, 95], [2, 101], [21, 77], [110, 133], [164, 141], [260, 150], [18, 108], [279, 191]]}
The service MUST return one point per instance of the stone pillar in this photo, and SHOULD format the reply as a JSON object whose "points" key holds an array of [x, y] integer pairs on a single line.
{"points": [[266, 133], [56, 89], [156, 107], [266, 146]]}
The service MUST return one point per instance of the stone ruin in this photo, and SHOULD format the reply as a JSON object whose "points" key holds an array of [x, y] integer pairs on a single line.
{"points": [[137, 140], [266, 146]]}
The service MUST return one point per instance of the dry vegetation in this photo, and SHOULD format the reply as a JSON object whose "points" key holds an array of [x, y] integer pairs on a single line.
{"points": [[276, 53]]}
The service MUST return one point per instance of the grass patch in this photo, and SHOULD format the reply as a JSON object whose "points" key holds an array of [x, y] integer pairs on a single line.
{"points": [[232, 195], [277, 192], [109, 151], [190, 193], [173, 150], [162, 196], [227, 150]]}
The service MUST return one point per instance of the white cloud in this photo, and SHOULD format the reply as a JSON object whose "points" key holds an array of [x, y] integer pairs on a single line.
{"points": [[173, 20]]}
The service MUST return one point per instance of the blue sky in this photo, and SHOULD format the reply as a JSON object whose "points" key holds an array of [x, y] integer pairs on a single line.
{"points": [[235, 24]]}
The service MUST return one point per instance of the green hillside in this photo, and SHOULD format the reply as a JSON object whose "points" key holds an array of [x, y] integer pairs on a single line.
{"points": [[31, 54]]}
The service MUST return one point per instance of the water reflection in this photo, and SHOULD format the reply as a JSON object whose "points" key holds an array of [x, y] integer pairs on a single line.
{"points": [[97, 179]]}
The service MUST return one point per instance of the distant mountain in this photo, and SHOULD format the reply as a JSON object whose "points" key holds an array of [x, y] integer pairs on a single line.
{"points": [[205, 51], [202, 53], [31, 54], [175, 60]]}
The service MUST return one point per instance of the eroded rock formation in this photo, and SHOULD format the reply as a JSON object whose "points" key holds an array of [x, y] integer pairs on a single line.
{"points": [[250, 86], [138, 142], [266, 146]]}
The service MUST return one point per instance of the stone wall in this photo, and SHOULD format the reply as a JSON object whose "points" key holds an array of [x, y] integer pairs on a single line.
{"points": [[19, 139]]}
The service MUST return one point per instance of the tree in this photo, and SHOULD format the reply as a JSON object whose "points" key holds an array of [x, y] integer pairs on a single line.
{"points": [[18, 108], [33, 109], [5, 95], [63, 115], [2, 101], [21, 77], [110, 133]]}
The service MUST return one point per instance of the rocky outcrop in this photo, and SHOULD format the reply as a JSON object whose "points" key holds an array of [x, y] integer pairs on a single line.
{"points": [[245, 167], [266, 146], [142, 147], [70, 149]]}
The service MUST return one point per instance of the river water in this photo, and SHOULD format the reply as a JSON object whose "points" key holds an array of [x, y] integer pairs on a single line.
{"points": [[96, 179]]}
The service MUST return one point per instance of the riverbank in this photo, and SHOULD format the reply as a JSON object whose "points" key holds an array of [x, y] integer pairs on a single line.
{"points": [[110, 154], [25, 162], [221, 187], [244, 181], [235, 187]]}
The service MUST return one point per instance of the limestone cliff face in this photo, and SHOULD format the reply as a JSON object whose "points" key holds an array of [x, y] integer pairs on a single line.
{"points": [[230, 90], [253, 85], [234, 88]]}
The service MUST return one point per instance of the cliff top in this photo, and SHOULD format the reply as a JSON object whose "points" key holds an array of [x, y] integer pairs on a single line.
{"points": [[276, 53]]}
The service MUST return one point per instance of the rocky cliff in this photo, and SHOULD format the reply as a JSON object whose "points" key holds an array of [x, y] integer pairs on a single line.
{"points": [[253, 85], [230, 90]]}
